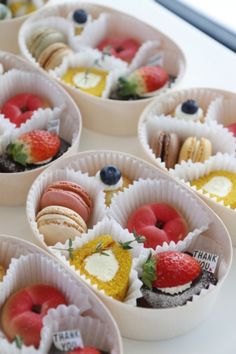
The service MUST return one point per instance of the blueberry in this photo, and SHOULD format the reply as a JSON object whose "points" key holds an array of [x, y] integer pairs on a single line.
{"points": [[80, 16], [190, 107], [110, 175]]}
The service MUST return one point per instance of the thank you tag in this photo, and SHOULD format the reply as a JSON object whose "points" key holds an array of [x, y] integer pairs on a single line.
{"points": [[207, 260], [68, 340]]}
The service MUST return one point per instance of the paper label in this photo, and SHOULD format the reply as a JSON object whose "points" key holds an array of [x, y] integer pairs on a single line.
{"points": [[54, 126], [207, 260], [68, 340]]}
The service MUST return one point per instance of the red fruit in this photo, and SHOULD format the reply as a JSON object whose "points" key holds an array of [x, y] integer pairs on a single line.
{"points": [[86, 350], [232, 128], [159, 223], [175, 269], [124, 49], [23, 312], [34, 147], [20, 108], [143, 80]]}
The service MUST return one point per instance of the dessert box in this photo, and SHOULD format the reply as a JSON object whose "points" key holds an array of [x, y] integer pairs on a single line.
{"points": [[8, 31], [213, 237], [27, 265], [104, 115], [218, 110], [63, 115]]}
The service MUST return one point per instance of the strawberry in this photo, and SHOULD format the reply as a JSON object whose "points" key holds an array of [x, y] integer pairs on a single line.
{"points": [[141, 81], [34, 147], [170, 269], [87, 350]]}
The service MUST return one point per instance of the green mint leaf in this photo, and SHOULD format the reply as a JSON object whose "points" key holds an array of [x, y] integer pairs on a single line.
{"points": [[18, 341]]}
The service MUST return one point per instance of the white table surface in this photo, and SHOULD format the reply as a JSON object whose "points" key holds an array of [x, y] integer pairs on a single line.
{"points": [[209, 64]]}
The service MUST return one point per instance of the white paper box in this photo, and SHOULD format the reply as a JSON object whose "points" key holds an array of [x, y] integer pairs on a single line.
{"points": [[104, 115], [157, 324]]}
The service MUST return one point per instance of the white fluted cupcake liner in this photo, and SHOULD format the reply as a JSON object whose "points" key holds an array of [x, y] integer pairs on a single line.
{"points": [[91, 58], [10, 61], [190, 172], [5, 126], [222, 140], [161, 191], [222, 111], [108, 227], [92, 187]]}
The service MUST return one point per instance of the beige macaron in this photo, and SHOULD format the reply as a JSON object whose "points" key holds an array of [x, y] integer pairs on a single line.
{"points": [[53, 55], [58, 224], [195, 150]]}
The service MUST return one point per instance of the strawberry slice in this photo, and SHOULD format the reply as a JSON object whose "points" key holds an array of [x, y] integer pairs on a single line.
{"points": [[170, 269], [36, 146], [86, 350]]}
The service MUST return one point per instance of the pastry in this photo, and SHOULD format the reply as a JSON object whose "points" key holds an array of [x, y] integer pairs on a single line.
{"points": [[124, 49], [105, 263], [42, 38], [69, 195], [232, 128], [158, 223], [80, 19], [140, 82], [2, 272], [23, 312], [195, 150], [220, 185], [5, 12], [53, 55], [35, 147], [189, 111], [171, 279], [113, 181], [166, 146], [8, 165], [19, 108], [58, 224], [89, 80]]}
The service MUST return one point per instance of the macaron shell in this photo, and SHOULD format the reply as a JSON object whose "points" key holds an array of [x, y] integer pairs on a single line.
{"points": [[157, 143], [172, 147], [204, 150], [53, 55], [187, 149], [69, 195], [58, 224], [44, 39]]}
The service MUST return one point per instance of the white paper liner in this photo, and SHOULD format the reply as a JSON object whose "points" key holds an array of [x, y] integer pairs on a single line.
{"points": [[94, 332], [189, 172], [37, 269], [10, 61], [222, 111], [94, 59], [161, 191], [168, 103], [92, 187], [109, 227], [222, 140], [5, 126], [61, 24]]}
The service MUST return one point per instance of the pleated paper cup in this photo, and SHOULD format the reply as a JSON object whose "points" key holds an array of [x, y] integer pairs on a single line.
{"points": [[190, 172], [9, 30], [27, 265], [14, 186], [108, 227], [173, 321], [92, 187], [222, 111], [104, 115], [162, 191]]}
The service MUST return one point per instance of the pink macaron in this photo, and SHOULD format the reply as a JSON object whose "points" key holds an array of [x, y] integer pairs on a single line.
{"points": [[69, 195]]}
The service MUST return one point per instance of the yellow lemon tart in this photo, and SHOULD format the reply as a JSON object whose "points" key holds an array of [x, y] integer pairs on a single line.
{"points": [[219, 184], [106, 264], [89, 80]]}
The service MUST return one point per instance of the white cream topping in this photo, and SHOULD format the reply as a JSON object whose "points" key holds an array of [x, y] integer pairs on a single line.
{"points": [[86, 80], [186, 116], [79, 25], [219, 186], [106, 187], [104, 267], [175, 289]]}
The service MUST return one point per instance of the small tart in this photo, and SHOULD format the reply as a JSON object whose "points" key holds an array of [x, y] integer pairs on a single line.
{"points": [[89, 80], [219, 184], [109, 194], [117, 286]]}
